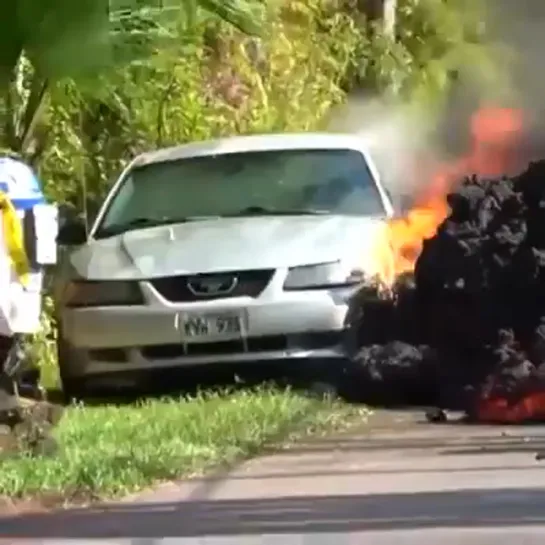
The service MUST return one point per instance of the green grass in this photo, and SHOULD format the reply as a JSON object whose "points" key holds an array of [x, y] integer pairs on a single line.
{"points": [[110, 450]]}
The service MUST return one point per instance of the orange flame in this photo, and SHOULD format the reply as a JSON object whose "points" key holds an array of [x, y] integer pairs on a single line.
{"points": [[494, 133]]}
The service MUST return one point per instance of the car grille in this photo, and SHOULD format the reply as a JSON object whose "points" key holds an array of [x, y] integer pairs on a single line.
{"points": [[249, 284]]}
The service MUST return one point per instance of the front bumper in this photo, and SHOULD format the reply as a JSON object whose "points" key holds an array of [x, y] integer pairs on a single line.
{"points": [[290, 325]]}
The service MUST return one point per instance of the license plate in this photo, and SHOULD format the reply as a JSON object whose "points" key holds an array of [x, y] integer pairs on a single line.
{"points": [[211, 325]]}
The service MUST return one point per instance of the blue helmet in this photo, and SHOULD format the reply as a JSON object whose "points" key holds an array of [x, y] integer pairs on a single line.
{"points": [[20, 183]]}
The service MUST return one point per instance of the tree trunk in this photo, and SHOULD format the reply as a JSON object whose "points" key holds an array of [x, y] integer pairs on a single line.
{"points": [[382, 12]]}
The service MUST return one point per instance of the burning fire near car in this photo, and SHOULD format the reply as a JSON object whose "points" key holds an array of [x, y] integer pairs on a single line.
{"points": [[467, 330]]}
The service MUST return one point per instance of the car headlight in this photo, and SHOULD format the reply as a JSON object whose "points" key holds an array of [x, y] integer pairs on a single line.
{"points": [[94, 293], [324, 275]]}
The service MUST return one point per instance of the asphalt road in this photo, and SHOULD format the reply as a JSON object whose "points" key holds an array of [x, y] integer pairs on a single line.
{"points": [[402, 481]]}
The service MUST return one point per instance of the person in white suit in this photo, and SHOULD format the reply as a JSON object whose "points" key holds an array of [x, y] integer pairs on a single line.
{"points": [[21, 263]]}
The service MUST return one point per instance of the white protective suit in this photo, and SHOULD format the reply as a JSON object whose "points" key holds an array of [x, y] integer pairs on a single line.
{"points": [[21, 281]]}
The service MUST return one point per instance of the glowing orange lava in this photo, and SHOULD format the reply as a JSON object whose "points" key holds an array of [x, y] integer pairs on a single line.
{"points": [[494, 135], [499, 410]]}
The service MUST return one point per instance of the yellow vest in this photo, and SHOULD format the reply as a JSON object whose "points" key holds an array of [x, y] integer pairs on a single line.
{"points": [[13, 236]]}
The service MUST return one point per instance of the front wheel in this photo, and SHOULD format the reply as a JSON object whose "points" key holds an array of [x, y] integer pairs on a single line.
{"points": [[73, 388]]}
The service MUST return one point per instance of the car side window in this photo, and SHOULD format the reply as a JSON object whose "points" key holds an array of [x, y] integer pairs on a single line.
{"points": [[122, 202]]}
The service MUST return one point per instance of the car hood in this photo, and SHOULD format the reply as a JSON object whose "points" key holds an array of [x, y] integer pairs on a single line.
{"points": [[227, 244]]}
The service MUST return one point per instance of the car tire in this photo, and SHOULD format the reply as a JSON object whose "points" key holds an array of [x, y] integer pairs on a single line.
{"points": [[73, 388]]}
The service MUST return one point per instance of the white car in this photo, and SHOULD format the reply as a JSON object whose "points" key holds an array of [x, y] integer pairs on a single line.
{"points": [[246, 249]]}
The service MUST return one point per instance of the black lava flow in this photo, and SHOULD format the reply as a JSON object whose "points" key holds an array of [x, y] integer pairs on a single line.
{"points": [[471, 320]]}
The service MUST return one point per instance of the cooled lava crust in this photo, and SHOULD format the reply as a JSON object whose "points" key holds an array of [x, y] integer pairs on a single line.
{"points": [[470, 332]]}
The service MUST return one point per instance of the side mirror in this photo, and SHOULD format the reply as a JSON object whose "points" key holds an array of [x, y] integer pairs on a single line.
{"points": [[72, 233]]}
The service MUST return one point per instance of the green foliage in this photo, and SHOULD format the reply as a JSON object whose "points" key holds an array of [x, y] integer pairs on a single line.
{"points": [[41, 348], [65, 38], [187, 76], [436, 43], [217, 83], [43, 43], [446, 39]]}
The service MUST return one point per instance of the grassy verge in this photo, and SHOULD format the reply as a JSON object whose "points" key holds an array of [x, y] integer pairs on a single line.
{"points": [[109, 451]]}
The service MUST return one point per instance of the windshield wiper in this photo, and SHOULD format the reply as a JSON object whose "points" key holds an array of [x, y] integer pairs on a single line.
{"points": [[143, 223], [264, 211]]}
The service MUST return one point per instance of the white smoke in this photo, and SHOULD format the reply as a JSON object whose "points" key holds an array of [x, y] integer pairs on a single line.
{"points": [[395, 136]]}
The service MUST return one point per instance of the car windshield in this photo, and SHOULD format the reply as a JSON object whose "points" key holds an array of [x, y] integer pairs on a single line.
{"points": [[283, 182]]}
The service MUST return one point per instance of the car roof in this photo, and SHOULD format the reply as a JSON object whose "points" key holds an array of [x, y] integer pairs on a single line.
{"points": [[260, 142]]}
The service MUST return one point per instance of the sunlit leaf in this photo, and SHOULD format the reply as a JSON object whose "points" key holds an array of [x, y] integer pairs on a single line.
{"points": [[67, 38]]}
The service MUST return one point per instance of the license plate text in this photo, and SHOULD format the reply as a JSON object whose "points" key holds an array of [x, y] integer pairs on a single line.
{"points": [[211, 326]]}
